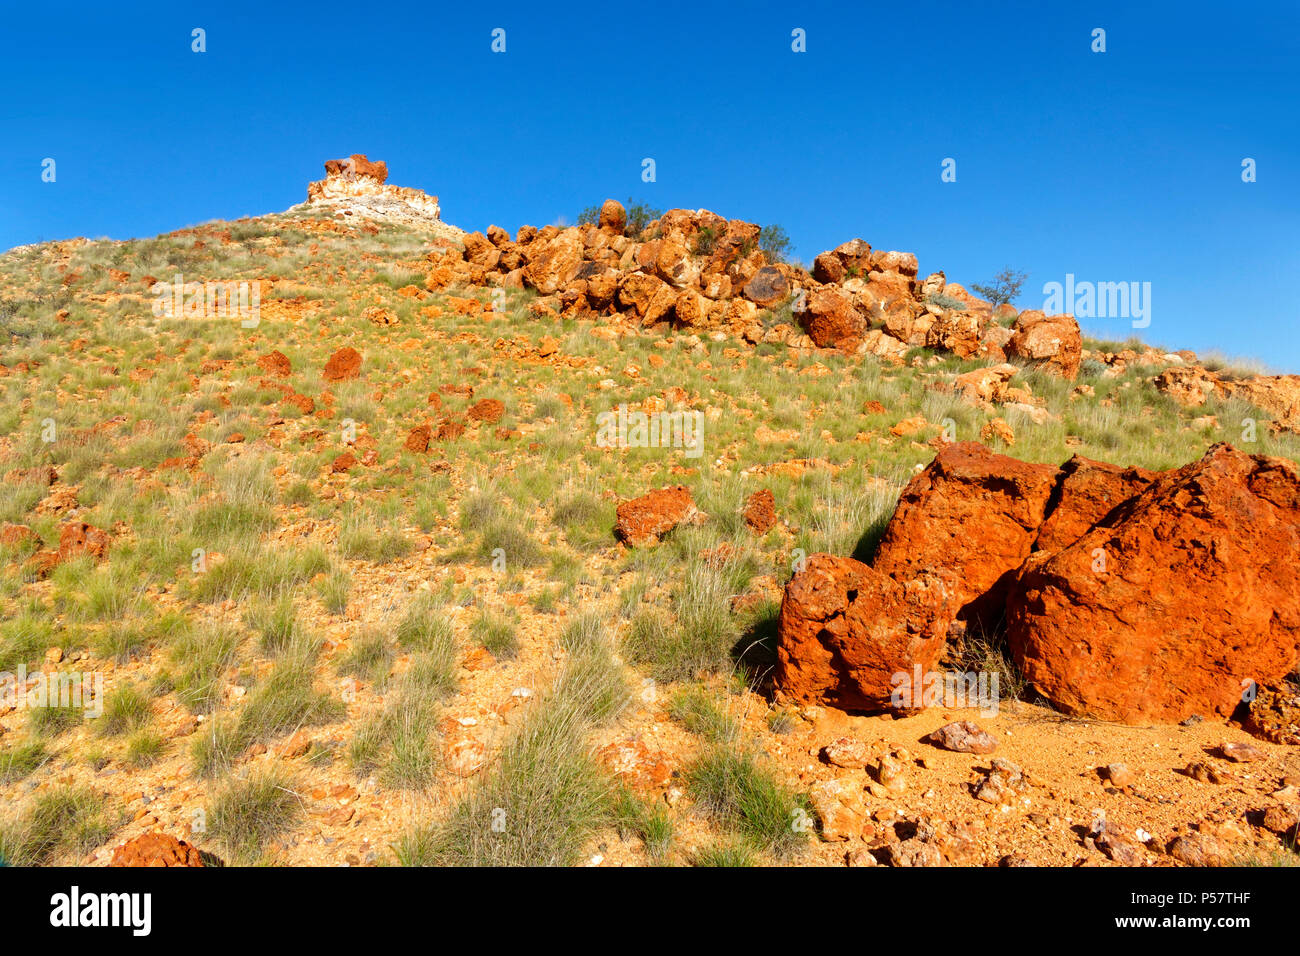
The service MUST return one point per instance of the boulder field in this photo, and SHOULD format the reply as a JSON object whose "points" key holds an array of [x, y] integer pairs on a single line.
{"points": [[696, 270], [1123, 594]]}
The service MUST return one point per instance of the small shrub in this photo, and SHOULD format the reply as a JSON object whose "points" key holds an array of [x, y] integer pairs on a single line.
{"points": [[19, 760], [250, 813], [125, 711], [64, 822], [497, 633], [729, 784]]}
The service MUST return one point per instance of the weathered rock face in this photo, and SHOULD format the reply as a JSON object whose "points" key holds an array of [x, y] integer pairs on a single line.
{"points": [[831, 319], [1192, 386], [1188, 386], [973, 515], [988, 384], [1086, 492], [767, 287], [955, 332], [1274, 714], [355, 166], [847, 260], [645, 520], [555, 264], [356, 187], [156, 849], [1276, 394], [1054, 341], [1184, 593], [846, 629]]}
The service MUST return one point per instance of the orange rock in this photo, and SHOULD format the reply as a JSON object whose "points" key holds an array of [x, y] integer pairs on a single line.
{"points": [[449, 430], [1172, 606], [275, 363], [760, 511], [1086, 492], [418, 439], [465, 757], [767, 287], [846, 629], [972, 514], [831, 319], [645, 520], [156, 849], [613, 218], [1052, 341], [77, 537], [488, 410], [344, 364], [357, 165]]}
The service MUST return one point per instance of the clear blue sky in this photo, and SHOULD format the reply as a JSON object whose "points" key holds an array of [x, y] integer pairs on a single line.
{"points": [[1115, 166]]}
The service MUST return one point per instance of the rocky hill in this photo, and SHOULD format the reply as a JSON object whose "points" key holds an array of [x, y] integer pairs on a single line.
{"points": [[344, 536]]}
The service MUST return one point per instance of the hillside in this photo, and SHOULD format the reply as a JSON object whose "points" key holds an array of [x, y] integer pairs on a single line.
{"points": [[455, 547]]}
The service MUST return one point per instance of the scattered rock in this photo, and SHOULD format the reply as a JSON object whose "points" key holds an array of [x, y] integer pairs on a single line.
{"points": [[275, 363], [489, 410], [1119, 775], [836, 805], [1199, 849], [1002, 783], [465, 757], [417, 440], [847, 752], [965, 737], [642, 521], [1240, 752], [1204, 773], [760, 511], [156, 849], [343, 365]]}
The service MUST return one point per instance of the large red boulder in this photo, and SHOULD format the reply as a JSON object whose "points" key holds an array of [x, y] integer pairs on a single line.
{"points": [[1175, 602], [972, 514], [1053, 342], [645, 520], [846, 631], [1087, 491], [831, 319]]}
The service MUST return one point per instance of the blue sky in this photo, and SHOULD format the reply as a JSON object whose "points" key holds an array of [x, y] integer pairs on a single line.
{"points": [[1116, 166]]}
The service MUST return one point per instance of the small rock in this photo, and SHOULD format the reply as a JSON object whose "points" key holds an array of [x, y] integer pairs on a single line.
{"points": [[1241, 753], [847, 752], [1119, 775], [964, 737]]}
